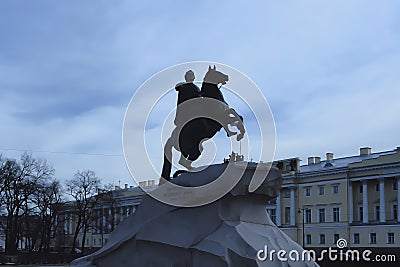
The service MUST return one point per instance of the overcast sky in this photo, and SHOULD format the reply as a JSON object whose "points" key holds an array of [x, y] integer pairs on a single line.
{"points": [[68, 69]]}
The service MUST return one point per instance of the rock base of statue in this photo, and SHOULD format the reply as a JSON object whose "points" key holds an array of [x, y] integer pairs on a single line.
{"points": [[228, 232]]}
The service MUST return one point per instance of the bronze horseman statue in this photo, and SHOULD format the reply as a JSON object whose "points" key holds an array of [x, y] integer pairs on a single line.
{"points": [[200, 114]]}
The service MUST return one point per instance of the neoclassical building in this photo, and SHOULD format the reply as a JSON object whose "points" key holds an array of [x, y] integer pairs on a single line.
{"points": [[356, 198], [111, 209]]}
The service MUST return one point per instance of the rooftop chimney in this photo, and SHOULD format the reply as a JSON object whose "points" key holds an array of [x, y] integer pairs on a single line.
{"points": [[329, 156], [314, 160], [365, 151], [126, 186], [143, 184]]}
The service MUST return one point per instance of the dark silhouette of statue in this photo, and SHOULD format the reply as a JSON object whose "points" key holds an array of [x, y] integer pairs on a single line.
{"points": [[210, 89], [187, 90], [192, 127]]}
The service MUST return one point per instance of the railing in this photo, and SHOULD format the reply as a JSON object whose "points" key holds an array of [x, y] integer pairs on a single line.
{"points": [[38, 258], [374, 222]]}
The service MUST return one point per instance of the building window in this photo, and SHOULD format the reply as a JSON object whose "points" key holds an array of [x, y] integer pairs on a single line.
{"points": [[394, 211], [321, 215], [335, 238], [308, 239], [361, 188], [272, 214], [308, 215], [286, 193], [335, 189], [321, 190], [122, 212], [372, 238], [377, 213], [377, 187], [336, 214], [94, 241], [360, 213], [287, 214], [356, 238], [307, 191], [288, 168], [390, 238], [394, 186], [322, 239]]}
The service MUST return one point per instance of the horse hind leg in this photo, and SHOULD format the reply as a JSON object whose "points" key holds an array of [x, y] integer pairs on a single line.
{"points": [[193, 153], [185, 162]]}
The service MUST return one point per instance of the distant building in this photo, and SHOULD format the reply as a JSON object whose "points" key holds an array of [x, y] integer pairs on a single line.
{"points": [[112, 208], [2, 233], [356, 198]]}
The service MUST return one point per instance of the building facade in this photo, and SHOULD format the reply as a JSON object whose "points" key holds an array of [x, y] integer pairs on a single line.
{"points": [[354, 198], [2, 234], [111, 209]]}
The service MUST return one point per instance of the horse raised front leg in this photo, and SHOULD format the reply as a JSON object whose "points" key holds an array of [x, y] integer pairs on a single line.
{"points": [[229, 133], [237, 121]]}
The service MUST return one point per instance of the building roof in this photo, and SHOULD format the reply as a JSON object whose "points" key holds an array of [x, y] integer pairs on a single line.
{"points": [[341, 162]]}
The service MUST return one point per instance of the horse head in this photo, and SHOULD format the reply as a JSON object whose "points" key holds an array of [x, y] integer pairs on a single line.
{"points": [[215, 77]]}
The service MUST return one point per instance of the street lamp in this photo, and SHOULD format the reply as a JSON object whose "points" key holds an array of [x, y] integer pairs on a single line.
{"points": [[101, 218], [302, 210]]}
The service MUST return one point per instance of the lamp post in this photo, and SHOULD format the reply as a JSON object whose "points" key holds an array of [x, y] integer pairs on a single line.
{"points": [[301, 211], [101, 216], [101, 222]]}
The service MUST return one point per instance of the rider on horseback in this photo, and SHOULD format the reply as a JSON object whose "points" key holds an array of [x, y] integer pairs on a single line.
{"points": [[192, 127], [186, 90]]}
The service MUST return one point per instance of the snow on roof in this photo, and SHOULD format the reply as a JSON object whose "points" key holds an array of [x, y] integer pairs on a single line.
{"points": [[341, 162]]}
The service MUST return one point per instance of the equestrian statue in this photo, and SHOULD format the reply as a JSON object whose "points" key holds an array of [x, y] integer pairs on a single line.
{"points": [[200, 114]]}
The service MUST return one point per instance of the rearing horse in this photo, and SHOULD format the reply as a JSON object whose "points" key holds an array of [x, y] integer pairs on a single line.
{"points": [[189, 137]]}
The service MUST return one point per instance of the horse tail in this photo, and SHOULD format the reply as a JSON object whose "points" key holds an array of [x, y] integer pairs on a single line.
{"points": [[167, 165], [166, 170]]}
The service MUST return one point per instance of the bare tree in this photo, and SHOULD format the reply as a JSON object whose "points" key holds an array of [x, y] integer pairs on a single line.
{"points": [[19, 180], [48, 202], [9, 201], [83, 189]]}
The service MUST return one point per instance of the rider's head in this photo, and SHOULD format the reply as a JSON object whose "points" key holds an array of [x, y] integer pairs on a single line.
{"points": [[189, 76]]}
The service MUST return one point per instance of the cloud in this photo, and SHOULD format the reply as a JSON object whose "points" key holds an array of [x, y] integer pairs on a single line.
{"points": [[68, 71]]}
